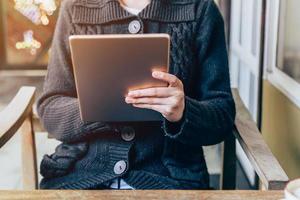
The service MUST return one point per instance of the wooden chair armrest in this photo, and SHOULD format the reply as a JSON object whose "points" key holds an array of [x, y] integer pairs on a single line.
{"points": [[13, 116], [267, 167]]}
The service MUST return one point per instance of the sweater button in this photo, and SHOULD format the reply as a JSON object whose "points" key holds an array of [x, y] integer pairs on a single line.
{"points": [[134, 27], [120, 167], [128, 133]]}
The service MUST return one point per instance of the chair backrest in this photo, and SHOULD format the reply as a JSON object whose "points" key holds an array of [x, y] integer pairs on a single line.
{"points": [[18, 116]]}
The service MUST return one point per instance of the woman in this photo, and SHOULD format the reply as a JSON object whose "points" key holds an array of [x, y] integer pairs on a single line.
{"points": [[197, 106]]}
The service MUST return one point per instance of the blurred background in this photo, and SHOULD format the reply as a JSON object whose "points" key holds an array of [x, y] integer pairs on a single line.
{"points": [[264, 51]]}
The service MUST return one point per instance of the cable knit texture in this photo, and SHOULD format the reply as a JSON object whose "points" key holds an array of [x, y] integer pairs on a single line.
{"points": [[163, 155]]}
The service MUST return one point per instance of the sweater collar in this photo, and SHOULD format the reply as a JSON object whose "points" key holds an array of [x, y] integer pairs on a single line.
{"points": [[104, 11]]}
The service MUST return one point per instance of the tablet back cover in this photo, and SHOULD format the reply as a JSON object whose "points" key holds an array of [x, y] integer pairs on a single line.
{"points": [[107, 67]]}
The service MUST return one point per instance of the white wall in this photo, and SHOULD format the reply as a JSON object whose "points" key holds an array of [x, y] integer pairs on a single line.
{"points": [[292, 36]]}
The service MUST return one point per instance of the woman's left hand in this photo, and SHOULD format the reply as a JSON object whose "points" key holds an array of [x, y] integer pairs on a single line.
{"points": [[169, 101]]}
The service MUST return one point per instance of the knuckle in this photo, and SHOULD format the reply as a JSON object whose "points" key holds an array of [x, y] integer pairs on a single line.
{"points": [[173, 80], [180, 94], [174, 101], [174, 107], [169, 110], [177, 93]]}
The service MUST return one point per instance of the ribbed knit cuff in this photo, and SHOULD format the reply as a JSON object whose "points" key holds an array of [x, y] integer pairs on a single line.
{"points": [[194, 116], [175, 129]]}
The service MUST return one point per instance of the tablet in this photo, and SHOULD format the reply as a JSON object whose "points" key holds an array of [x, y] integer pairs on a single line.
{"points": [[106, 67]]}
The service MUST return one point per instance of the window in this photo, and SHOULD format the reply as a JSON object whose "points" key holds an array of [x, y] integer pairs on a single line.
{"points": [[27, 28], [282, 47], [288, 53]]}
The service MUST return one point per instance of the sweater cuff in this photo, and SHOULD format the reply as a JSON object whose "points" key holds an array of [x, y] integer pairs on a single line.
{"points": [[175, 129]]}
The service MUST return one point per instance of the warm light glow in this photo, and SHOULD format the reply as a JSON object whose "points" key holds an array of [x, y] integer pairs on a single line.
{"points": [[36, 11], [29, 43]]}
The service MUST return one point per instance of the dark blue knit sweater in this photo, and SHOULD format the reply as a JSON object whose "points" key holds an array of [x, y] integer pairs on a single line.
{"points": [[161, 155]]}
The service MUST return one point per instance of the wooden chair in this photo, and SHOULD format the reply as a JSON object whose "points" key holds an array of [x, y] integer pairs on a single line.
{"points": [[246, 133], [16, 116], [19, 114]]}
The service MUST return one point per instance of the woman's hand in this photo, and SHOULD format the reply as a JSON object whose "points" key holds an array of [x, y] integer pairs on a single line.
{"points": [[169, 101]]}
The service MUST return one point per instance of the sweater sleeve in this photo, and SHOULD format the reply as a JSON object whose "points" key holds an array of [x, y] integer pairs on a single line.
{"points": [[210, 111], [58, 106]]}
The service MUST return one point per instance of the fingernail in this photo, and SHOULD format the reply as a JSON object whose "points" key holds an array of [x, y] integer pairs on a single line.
{"points": [[155, 73], [128, 100], [132, 93]]}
